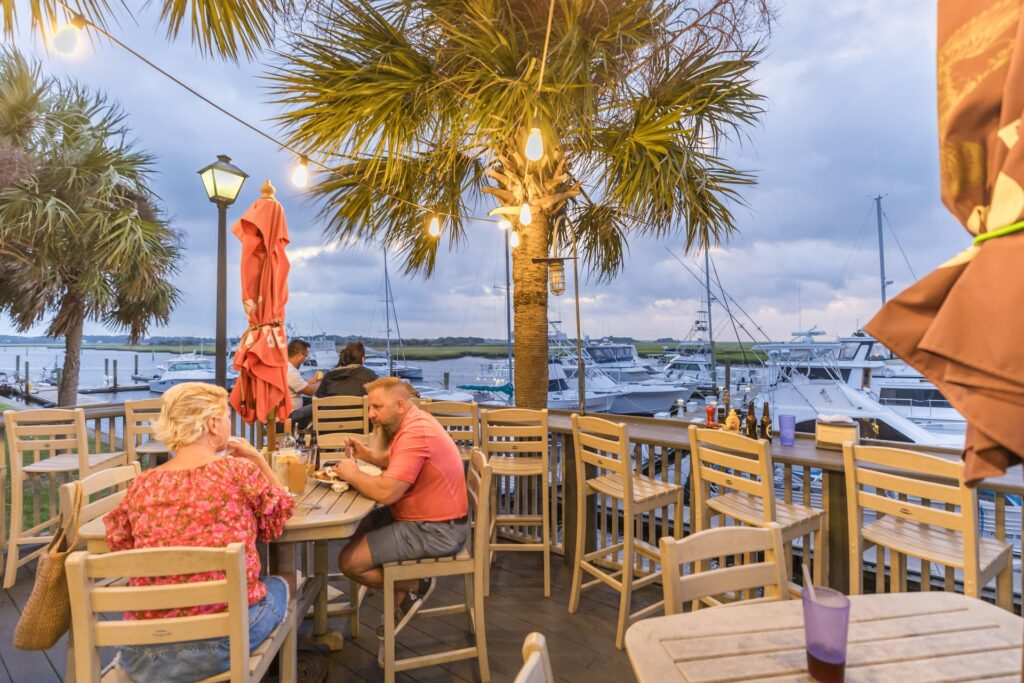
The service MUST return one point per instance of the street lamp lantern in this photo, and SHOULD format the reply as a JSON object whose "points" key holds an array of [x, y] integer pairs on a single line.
{"points": [[223, 180], [556, 277]]}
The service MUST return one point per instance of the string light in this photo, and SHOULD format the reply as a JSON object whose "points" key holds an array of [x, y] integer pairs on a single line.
{"points": [[434, 229], [513, 239], [535, 145], [504, 224], [65, 41], [525, 215], [300, 176]]}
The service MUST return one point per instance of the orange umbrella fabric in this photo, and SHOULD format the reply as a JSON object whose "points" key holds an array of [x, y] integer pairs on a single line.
{"points": [[262, 357], [962, 325]]}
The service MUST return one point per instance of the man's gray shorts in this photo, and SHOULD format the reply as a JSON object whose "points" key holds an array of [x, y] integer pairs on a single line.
{"points": [[393, 541]]}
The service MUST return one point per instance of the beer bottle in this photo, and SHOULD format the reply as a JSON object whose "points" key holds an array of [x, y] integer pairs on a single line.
{"points": [[721, 415], [751, 421], [766, 423]]}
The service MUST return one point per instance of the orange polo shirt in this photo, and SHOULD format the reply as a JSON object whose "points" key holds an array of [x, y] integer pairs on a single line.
{"points": [[422, 454]]}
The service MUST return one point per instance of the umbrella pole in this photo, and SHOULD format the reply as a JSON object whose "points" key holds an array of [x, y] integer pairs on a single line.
{"points": [[272, 432]]}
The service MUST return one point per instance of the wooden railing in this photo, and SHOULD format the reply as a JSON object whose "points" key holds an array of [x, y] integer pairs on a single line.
{"points": [[660, 451]]}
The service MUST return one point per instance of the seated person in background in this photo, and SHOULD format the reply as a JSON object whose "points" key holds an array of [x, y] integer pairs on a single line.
{"points": [[347, 378], [216, 490], [423, 488], [298, 352]]}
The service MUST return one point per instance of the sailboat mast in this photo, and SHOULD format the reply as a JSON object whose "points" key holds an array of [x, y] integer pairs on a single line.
{"points": [[711, 333], [387, 314], [881, 246]]}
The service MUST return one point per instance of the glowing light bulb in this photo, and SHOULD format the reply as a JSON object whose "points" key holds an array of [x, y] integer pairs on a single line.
{"points": [[300, 176], [65, 41], [535, 145], [504, 224], [525, 215], [434, 229], [513, 239]]}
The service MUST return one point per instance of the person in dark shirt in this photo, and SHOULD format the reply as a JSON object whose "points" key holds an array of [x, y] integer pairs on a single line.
{"points": [[347, 378]]}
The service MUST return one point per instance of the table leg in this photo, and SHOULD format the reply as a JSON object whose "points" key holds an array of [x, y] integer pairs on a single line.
{"points": [[334, 640], [838, 552]]}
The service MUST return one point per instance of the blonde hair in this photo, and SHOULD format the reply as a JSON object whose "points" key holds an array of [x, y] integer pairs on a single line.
{"points": [[392, 385], [185, 411]]}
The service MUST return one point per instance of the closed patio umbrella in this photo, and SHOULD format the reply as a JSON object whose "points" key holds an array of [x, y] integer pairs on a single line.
{"points": [[262, 357], [962, 325]]}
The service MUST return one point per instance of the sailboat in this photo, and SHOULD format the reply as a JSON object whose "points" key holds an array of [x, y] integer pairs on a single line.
{"points": [[383, 363]]}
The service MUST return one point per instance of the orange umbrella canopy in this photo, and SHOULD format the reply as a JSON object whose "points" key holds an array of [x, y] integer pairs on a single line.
{"points": [[962, 325], [262, 356]]}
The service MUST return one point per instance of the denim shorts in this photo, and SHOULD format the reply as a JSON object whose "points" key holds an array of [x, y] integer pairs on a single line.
{"points": [[195, 660], [393, 541]]}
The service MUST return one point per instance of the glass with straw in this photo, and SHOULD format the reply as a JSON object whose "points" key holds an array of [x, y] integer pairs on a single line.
{"points": [[826, 625]]}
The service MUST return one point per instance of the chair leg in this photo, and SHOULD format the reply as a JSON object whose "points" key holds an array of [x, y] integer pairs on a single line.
{"points": [[481, 629], [856, 563], [468, 581], [545, 532], [355, 600], [1004, 586], [577, 569], [389, 627], [625, 598], [899, 573], [69, 660], [17, 519], [288, 656], [818, 573], [3, 514]]}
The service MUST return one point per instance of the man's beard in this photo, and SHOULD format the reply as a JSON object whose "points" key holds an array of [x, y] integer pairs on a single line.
{"points": [[384, 432]]}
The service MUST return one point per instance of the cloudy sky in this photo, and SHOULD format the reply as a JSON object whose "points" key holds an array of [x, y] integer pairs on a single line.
{"points": [[851, 115]]}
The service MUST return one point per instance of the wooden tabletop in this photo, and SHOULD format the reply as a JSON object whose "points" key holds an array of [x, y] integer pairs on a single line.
{"points": [[335, 516], [899, 637]]}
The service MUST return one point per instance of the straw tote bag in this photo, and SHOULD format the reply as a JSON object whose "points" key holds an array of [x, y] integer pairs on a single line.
{"points": [[47, 614]]}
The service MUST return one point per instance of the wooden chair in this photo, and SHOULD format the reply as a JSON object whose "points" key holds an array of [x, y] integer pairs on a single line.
{"points": [[515, 441], [696, 549], [469, 562], [536, 661], [89, 599], [460, 420], [51, 444], [605, 446], [924, 510], [339, 415], [139, 422], [742, 470]]}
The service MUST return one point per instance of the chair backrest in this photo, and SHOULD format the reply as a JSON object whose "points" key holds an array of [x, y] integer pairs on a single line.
{"points": [[334, 414], [140, 422], [89, 599], [93, 484], [696, 549], [536, 661], [461, 420], [45, 433], [514, 431], [605, 445], [896, 482], [478, 488], [733, 463]]}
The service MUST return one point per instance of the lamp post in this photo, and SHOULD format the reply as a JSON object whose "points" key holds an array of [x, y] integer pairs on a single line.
{"points": [[223, 181], [506, 227], [556, 284]]}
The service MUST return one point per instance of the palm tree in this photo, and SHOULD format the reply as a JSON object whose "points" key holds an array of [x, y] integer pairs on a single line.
{"points": [[427, 103], [80, 235]]}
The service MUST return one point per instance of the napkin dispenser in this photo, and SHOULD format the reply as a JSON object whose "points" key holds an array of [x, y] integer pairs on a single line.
{"points": [[831, 431]]}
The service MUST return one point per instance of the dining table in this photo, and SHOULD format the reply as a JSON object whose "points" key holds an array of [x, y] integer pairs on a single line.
{"points": [[927, 636], [321, 515]]}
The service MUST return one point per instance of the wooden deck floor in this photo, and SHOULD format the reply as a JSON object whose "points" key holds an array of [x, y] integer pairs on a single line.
{"points": [[582, 645]]}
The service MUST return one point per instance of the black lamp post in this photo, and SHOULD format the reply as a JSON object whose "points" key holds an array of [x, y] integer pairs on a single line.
{"points": [[223, 181], [556, 284]]}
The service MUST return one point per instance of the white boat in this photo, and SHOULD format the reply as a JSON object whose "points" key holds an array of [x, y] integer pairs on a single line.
{"points": [[619, 361], [492, 386], [190, 368], [380, 363]]}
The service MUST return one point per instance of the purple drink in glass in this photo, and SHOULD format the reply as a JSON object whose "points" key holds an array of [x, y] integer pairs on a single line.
{"points": [[826, 622]]}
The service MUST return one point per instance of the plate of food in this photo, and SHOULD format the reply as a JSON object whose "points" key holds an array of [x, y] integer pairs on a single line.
{"points": [[327, 476]]}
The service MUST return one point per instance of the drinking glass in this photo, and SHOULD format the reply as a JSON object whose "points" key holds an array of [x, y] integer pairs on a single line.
{"points": [[297, 473], [826, 622], [787, 429]]}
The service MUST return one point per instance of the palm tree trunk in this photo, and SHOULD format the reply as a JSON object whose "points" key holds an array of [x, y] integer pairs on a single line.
{"points": [[530, 301], [67, 392]]}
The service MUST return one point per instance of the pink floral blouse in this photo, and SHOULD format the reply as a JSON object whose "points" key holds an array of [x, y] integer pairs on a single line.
{"points": [[225, 501]]}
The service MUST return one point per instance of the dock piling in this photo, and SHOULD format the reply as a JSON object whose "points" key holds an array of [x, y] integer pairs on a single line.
{"points": [[446, 377], [136, 364], [17, 366], [28, 385], [115, 374]]}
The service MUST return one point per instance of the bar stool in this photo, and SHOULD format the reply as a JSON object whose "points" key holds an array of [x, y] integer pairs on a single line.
{"points": [[605, 446], [516, 443], [56, 443], [922, 509], [742, 471]]}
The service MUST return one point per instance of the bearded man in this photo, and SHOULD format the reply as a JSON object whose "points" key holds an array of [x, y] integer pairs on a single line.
{"points": [[423, 489]]}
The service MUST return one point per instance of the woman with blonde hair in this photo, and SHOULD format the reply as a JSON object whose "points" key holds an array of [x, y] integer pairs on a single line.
{"points": [[216, 490]]}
